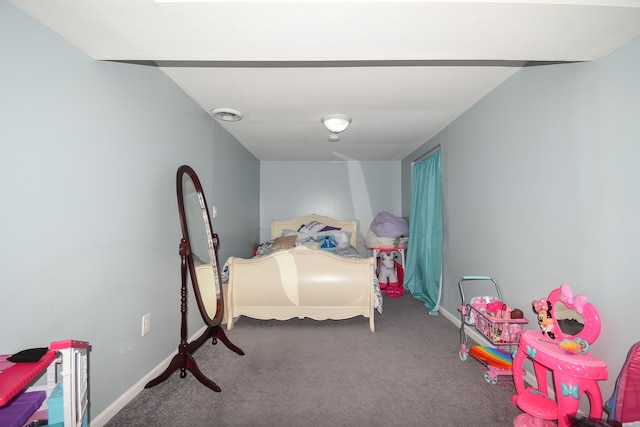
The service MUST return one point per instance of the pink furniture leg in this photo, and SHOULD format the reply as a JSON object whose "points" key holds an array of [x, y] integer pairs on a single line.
{"points": [[569, 390]]}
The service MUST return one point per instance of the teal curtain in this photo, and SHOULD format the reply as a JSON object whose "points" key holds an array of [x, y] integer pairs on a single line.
{"points": [[423, 276]]}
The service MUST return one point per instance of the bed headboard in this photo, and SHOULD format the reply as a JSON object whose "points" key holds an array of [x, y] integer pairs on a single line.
{"points": [[293, 224]]}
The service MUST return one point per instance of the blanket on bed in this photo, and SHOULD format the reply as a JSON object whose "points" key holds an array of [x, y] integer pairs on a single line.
{"points": [[347, 252]]}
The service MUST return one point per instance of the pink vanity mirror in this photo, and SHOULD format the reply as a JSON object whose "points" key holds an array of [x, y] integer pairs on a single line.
{"points": [[566, 317], [569, 325]]}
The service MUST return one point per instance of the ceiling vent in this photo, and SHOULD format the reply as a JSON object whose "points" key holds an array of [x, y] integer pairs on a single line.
{"points": [[226, 114]]}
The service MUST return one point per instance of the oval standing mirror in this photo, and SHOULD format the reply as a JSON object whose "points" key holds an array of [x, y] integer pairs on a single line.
{"points": [[199, 254], [201, 246]]}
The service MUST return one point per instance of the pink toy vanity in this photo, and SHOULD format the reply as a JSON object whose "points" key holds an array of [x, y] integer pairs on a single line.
{"points": [[575, 370]]}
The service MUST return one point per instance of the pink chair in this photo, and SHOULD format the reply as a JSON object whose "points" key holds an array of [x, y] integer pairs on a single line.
{"points": [[574, 374]]}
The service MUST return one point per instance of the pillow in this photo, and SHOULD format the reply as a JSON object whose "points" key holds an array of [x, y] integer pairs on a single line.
{"points": [[311, 244], [264, 248], [289, 232], [284, 242], [300, 236], [29, 355], [312, 227], [330, 228]]}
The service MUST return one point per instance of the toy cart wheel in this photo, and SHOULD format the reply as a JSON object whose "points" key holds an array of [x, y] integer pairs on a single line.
{"points": [[490, 380], [463, 354]]}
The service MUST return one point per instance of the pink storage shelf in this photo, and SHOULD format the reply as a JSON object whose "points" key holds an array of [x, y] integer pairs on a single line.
{"points": [[19, 375]]}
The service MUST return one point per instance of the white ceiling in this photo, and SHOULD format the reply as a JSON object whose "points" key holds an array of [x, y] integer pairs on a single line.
{"points": [[402, 70]]}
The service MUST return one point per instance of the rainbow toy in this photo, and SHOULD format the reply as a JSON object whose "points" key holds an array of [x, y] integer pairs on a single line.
{"points": [[492, 356], [574, 346]]}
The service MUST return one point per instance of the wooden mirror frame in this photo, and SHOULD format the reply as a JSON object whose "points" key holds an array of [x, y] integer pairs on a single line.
{"points": [[186, 176], [183, 360]]}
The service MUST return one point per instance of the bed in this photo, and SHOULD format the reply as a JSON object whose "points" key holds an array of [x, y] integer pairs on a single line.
{"points": [[301, 280]]}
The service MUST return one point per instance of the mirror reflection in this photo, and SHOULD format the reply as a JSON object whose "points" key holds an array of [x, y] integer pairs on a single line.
{"points": [[569, 321], [201, 243]]}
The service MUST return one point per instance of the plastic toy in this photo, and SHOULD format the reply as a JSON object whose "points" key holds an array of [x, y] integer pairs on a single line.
{"points": [[574, 346], [492, 356], [542, 308], [575, 375], [503, 331], [517, 314], [566, 296], [496, 308]]}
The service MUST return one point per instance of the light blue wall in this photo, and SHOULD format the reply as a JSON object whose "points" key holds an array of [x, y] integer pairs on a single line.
{"points": [[342, 190], [538, 178], [540, 187], [89, 220]]}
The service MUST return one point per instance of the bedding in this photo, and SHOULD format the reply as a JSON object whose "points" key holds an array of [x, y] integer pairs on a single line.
{"points": [[310, 268], [340, 237]]}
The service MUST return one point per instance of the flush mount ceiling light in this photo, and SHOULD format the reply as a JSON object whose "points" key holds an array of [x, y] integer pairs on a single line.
{"points": [[336, 123], [226, 114]]}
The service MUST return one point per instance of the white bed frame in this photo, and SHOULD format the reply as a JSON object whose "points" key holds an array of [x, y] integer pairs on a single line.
{"points": [[301, 282]]}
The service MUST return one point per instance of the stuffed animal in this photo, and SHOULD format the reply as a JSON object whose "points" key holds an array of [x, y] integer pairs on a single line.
{"points": [[542, 308], [328, 243], [387, 275]]}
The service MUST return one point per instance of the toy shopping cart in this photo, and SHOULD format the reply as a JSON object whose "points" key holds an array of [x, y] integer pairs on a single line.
{"points": [[491, 317]]}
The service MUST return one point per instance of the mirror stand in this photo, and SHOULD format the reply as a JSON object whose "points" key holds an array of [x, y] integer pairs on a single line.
{"points": [[184, 360]]}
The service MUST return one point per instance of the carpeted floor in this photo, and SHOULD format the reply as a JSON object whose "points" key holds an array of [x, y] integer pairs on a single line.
{"points": [[332, 373]]}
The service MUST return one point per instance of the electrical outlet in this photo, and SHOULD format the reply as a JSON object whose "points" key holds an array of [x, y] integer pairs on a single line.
{"points": [[146, 324]]}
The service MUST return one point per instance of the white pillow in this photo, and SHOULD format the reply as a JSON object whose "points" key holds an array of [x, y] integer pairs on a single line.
{"points": [[312, 227]]}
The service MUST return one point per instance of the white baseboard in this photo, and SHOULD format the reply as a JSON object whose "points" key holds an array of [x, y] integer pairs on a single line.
{"points": [[103, 417]]}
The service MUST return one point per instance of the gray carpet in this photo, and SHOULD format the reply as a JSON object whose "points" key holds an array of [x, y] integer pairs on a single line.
{"points": [[332, 373]]}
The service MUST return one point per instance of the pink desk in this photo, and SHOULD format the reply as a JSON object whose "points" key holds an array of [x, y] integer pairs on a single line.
{"points": [[573, 375]]}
